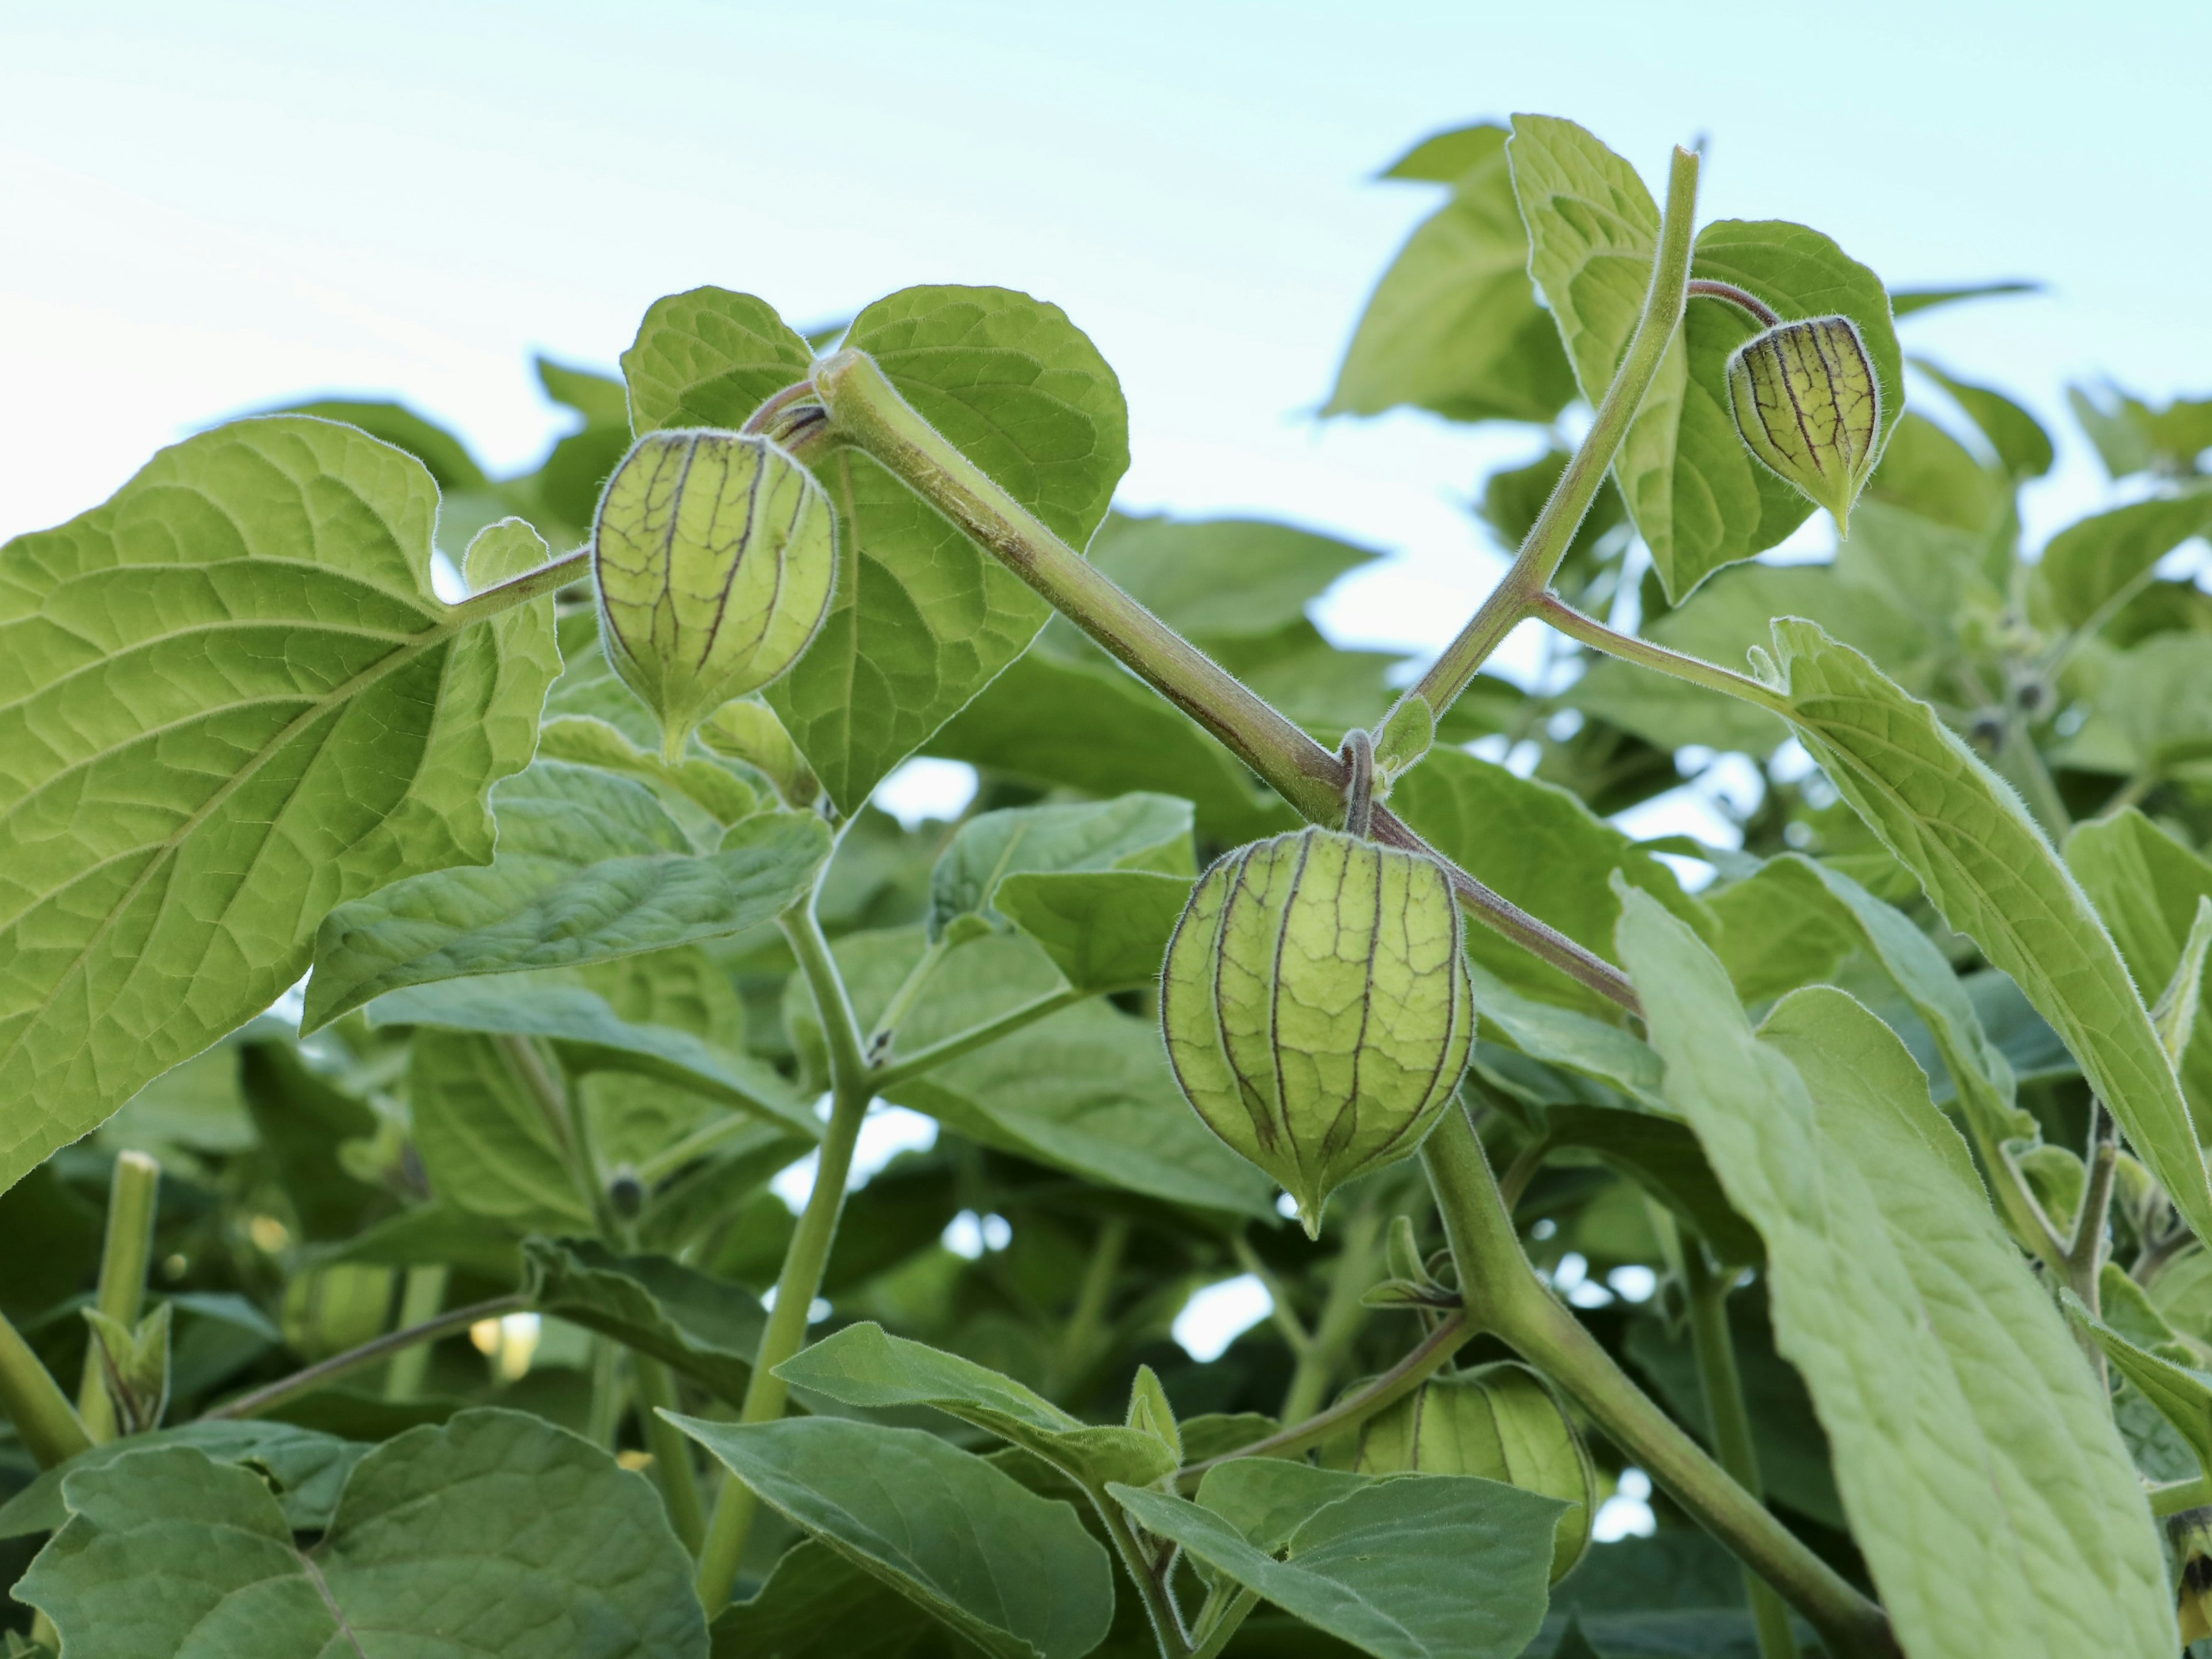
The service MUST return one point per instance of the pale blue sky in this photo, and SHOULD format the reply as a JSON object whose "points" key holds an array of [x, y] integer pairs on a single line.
{"points": [[215, 206]]}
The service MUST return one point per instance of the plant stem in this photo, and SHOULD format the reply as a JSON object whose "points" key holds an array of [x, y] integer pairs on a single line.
{"points": [[45, 1421], [424, 1294], [1214, 1635], [1342, 1316], [1680, 664], [869, 412], [133, 1196], [1701, 288], [673, 1468], [1079, 1342], [1722, 1383], [354, 1359], [851, 1088], [902, 1000], [520, 590], [602, 1416], [1153, 1588], [976, 1036], [1549, 537], [2175, 1495], [1505, 1296], [1394, 1385]]}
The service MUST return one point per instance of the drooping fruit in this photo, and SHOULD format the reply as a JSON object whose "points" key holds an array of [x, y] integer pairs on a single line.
{"points": [[1500, 1421], [716, 557], [1808, 403], [1316, 1009]]}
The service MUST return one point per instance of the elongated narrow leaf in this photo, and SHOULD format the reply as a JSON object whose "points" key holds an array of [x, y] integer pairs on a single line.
{"points": [[862, 1366], [1697, 496], [2093, 561], [1937, 1364], [496, 1535], [306, 1468], [1440, 1566], [1992, 876], [1132, 832], [1105, 930], [589, 1036], [704, 1326], [2182, 1394], [590, 868], [228, 701], [1014, 1573]]}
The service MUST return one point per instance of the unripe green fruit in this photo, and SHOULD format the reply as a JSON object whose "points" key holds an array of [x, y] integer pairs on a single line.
{"points": [[1316, 1009], [1807, 401], [1501, 1422], [716, 557]]}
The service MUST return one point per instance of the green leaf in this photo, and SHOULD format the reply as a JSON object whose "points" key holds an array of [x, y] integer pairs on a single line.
{"points": [[1435, 1566], [496, 1535], [1928, 471], [588, 1035], [304, 1121], [1775, 935], [2183, 1396], [2023, 447], [1015, 1573], [817, 1605], [590, 868], [1903, 301], [600, 399], [1541, 848], [1077, 719], [923, 619], [1991, 876], [491, 1146], [705, 1327], [1560, 1037], [861, 1366], [306, 1469], [1662, 1156], [2147, 886], [1268, 1499], [2093, 560], [710, 785], [1453, 326], [1937, 1363], [1105, 930], [1699, 498], [709, 357], [228, 701], [1132, 832], [444, 456], [1220, 581]]}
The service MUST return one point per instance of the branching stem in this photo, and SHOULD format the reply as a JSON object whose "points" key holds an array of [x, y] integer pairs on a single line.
{"points": [[325, 1372]]}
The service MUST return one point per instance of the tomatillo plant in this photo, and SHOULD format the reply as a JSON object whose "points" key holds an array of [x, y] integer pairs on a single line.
{"points": [[539, 1292]]}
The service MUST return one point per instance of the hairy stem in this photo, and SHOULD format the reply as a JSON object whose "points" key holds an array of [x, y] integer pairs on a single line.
{"points": [[977, 1036], [325, 1372], [1505, 1296], [1549, 537], [1722, 1384], [520, 590], [1695, 670], [1702, 288], [45, 1421], [868, 411], [851, 1090], [133, 1195], [671, 1468]]}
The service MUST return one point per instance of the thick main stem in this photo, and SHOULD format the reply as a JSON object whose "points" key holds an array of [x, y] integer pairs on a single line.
{"points": [[1722, 1383], [673, 1468], [868, 411], [133, 1195], [45, 1421], [800, 1281], [1505, 1296], [1549, 537]]}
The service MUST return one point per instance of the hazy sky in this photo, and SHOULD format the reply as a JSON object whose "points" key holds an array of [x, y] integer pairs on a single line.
{"points": [[212, 207]]}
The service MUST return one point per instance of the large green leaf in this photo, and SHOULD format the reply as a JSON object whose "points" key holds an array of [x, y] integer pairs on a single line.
{"points": [[229, 700], [1015, 1573], [2147, 886], [590, 868], [1104, 930], [1132, 832], [1541, 848], [1221, 581], [923, 619], [589, 1036], [704, 1326], [1699, 497], [1561, 1036], [306, 1469], [1433, 1566], [492, 1145], [817, 1605], [2093, 560], [1452, 326], [862, 1366], [1938, 1364], [496, 1535], [1991, 875]]}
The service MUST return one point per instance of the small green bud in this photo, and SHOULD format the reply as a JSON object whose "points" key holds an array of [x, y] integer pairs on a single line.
{"points": [[1316, 1010], [747, 730], [716, 557], [1807, 404], [134, 1365], [1149, 1410], [1501, 1422]]}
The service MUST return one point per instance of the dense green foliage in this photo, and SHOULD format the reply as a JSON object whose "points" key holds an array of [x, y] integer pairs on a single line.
{"points": [[472, 1315]]}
